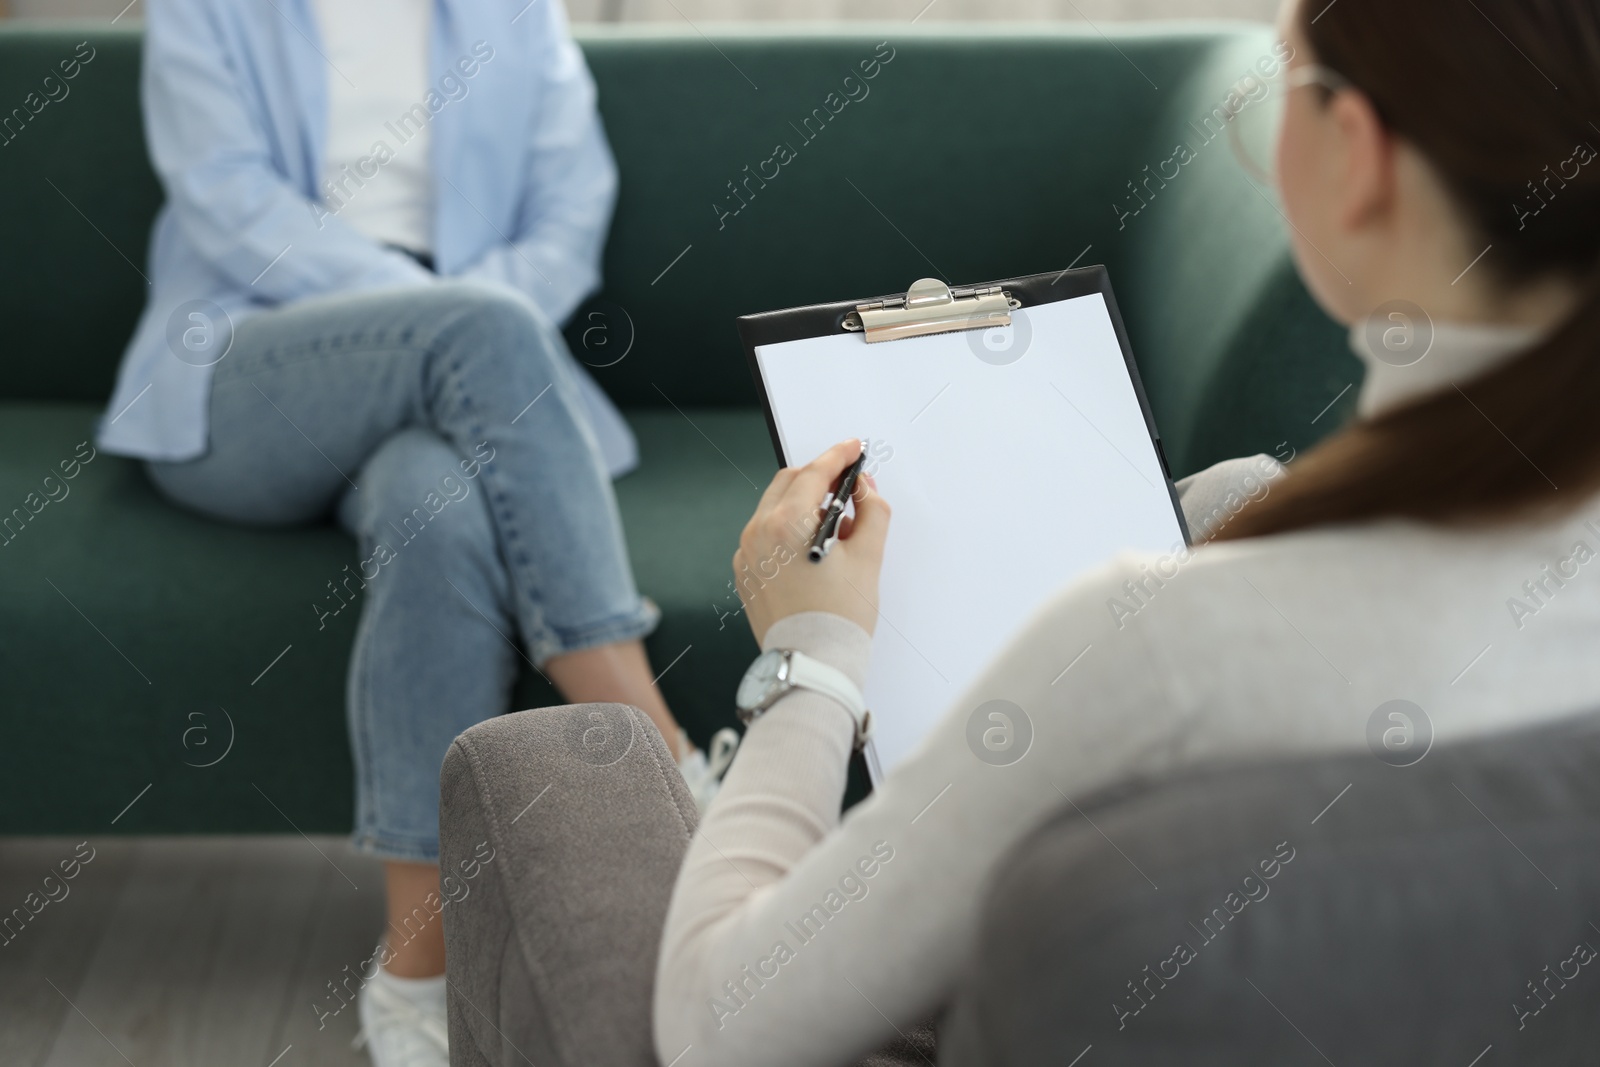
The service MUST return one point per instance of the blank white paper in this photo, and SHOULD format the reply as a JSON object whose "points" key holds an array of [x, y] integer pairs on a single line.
{"points": [[1008, 480]]}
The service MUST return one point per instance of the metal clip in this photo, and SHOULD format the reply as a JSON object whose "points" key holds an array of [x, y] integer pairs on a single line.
{"points": [[931, 306]]}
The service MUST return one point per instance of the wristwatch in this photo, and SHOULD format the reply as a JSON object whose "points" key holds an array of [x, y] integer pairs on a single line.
{"points": [[779, 670]]}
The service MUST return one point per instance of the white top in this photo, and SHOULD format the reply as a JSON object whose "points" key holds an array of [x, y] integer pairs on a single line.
{"points": [[376, 173], [793, 938], [1454, 353]]}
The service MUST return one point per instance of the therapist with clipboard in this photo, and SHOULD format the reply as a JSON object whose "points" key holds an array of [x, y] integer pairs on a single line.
{"points": [[1373, 569]]}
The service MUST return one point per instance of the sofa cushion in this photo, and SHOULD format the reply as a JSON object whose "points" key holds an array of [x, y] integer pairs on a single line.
{"points": [[137, 638]]}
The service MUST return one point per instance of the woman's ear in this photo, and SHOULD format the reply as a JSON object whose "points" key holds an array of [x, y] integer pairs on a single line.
{"points": [[1370, 186]]}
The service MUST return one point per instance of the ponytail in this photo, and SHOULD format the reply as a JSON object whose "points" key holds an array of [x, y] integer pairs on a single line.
{"points": [[1520, 440]]}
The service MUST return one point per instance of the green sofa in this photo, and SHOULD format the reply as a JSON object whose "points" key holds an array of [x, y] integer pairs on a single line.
{"points": [[165, 673]]}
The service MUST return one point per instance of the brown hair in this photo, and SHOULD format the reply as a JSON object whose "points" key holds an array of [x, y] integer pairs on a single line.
{"points": [[1495, 94]]}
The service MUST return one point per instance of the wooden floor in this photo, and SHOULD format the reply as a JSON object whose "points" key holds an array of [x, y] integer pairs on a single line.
{"points": [[181, 952]]}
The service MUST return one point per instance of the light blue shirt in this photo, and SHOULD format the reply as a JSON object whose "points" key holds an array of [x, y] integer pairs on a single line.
{"points": [[235, 110]]}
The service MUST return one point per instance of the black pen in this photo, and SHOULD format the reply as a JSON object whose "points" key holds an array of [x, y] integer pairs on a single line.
{"points": [[833, 508]]}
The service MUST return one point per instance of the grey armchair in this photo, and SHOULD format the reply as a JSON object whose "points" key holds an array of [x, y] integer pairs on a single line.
{"points": [[1442, 913], [552, 939]]}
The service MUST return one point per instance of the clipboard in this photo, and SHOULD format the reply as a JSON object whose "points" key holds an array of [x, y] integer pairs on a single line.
{"points": [[1007, 425]]}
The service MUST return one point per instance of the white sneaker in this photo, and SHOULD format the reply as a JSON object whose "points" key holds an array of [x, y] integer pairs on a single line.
{"points": [[703, 776], [399, 1031]]}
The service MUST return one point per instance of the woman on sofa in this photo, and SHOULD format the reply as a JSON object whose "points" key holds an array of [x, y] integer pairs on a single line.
{"points": [[1426, 153], [373, 226]]}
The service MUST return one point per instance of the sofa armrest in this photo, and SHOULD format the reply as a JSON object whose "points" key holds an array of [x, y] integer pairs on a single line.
{"points": [[561, 832]]}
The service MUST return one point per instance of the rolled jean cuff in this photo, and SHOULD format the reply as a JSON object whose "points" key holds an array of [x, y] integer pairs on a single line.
{"points": [[629, 626], [395, 847]]}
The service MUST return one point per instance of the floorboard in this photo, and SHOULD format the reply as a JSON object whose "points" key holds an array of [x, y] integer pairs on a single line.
{"points": [[274, 896], [150, 967], [342, 935], [183, 952], [56, 944]]}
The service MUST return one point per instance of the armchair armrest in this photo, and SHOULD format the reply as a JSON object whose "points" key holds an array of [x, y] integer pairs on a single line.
{"points": [[561, 831]]}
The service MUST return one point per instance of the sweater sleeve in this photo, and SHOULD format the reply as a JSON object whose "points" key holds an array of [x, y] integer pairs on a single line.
{"points": [[795, 938], [1212, 497]]}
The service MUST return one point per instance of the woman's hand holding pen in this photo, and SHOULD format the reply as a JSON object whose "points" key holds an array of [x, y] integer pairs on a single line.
{"points": [[770, 569]]}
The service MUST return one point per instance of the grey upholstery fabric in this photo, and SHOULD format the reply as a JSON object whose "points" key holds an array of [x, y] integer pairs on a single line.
{"points": [[1430, 912], [552, 939], [553, 951]]}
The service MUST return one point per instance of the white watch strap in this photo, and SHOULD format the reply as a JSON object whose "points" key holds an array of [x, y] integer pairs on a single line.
{"points": [[808, 673]]}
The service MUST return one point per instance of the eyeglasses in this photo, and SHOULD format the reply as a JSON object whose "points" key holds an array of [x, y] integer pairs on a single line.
{"points": [[1255, 126]]}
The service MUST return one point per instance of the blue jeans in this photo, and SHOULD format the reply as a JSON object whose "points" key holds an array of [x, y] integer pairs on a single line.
{"points": [[444, 429]]}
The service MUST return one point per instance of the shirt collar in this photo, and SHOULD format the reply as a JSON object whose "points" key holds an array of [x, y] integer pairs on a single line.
{"points": [[1449, 353]]}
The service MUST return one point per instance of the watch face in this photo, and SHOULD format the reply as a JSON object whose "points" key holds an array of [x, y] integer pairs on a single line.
{"points": [[759, 680]]}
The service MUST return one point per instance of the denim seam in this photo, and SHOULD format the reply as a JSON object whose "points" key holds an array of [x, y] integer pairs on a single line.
{"points": [[537, 632], [367, 824]]}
